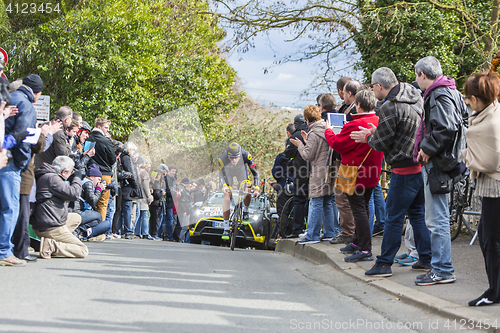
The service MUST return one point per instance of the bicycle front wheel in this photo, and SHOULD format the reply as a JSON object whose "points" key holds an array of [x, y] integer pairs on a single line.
{"points": [[234, 231]]}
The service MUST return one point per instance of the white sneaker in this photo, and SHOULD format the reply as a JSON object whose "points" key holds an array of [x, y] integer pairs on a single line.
{"points": [[302, 235], [116, 236]]}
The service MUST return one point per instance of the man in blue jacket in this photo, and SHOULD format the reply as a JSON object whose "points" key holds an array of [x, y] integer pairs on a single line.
{"points": [[10, 176]]}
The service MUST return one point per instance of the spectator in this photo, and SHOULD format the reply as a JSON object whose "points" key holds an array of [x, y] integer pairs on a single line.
{"points": [[92, 188], [104, 157], [10, 175], [185, 208], [283, 176], [50, 219], [350, 90], [395, 137], [300, 172], [130, 189], [438, 143], [167, 183], [60, 144], [78, 119], [21, 237], [82, 135], [315, 150], [121, 176], [482, 156], [71, 131], [175, 194], [340, 91], [157, 207], [370, 166], [327, 105], [142, 226], [199, 191]]}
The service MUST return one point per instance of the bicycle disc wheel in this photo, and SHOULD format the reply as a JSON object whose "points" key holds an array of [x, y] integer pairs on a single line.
{"points": [[234, 231], [286, 219]]}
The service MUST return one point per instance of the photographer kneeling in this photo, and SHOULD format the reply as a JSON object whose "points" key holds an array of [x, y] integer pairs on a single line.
{"points": [[50, 219]]}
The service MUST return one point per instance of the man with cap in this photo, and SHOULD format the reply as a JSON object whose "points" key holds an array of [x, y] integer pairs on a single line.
{"points": [[233, 163], [10, 176], [184, 208], [300, 172], [200, 192]]}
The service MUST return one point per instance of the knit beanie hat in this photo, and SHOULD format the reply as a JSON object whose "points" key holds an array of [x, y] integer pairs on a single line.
{"points": [[94, 171], [34, 82], [185, 180]]}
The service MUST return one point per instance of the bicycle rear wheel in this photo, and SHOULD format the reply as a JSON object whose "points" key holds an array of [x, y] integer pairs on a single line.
{"points": [[286, 219]]}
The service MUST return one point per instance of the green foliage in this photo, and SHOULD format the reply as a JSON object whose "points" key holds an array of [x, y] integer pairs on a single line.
{"points": [[397, 34], [128, 61]]}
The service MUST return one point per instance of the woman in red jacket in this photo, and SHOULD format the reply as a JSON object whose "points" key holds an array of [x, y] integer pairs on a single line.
{"points": [[353, 154]]}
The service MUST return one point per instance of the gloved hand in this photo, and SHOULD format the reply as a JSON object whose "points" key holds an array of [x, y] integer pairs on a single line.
{"points": [[20, 136], [109, 187], [78, 174]]}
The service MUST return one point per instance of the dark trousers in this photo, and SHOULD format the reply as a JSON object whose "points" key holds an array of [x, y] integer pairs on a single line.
{"points": [[176, 228], [118, 211], [299, 210], [406, 194], [359, 203], [21, 236], [489, 239], [154, 220]]}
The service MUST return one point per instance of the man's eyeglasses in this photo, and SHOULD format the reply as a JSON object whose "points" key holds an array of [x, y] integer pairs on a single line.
{"points": [[373, 84]]}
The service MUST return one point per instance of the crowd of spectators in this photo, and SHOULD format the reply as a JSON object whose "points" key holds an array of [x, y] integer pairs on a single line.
{"points": [[77, 184], [74, 183], [418, 130]]}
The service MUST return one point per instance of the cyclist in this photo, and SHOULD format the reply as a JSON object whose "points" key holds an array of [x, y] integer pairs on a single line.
{"points": [[233, 163]]}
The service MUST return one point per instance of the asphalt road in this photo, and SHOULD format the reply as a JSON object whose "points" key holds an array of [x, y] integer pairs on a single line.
{"points": [[149, 286]]}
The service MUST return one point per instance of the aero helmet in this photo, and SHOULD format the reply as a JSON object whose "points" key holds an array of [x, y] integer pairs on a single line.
{"points": [[233, 150]]}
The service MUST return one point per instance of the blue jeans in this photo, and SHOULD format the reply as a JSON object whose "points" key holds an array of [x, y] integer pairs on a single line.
{"points": [[437, 218], [336, 222], [377, 207], [406, 194], [320, 212], [10, 188], [110, 213], [142, 224], [168, 220], [126, 217]]}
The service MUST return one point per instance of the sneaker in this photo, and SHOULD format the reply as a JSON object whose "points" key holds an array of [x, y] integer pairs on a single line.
{"points": [[109, 237], [302, 235], [349, 248], [323, 238], [408, 261], [225, 235], [305, 240], [382, 270], [12, 261], [116, 236], [431, 278], [418, 266], [400, 257], [245, 219], [359, 256], [340, 239], [481, 301], [99, 238], [293, 236]]}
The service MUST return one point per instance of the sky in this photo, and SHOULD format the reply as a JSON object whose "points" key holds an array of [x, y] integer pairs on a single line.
{"points": [[284, 85]]}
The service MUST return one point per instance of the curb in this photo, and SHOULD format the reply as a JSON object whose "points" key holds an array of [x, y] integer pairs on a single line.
{"points": [[321, 254]]}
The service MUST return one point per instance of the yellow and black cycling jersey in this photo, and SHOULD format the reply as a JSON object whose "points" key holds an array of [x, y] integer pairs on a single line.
{"points": [[227, 171]]}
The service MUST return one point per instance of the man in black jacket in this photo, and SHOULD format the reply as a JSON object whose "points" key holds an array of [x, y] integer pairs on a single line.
{"points": [[300, 172], [50, 219], [167, 184], [104, 157], [439, 141]]}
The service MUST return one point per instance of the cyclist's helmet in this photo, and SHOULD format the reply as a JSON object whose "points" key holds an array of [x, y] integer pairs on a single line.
{"points": [[233, 150]]}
